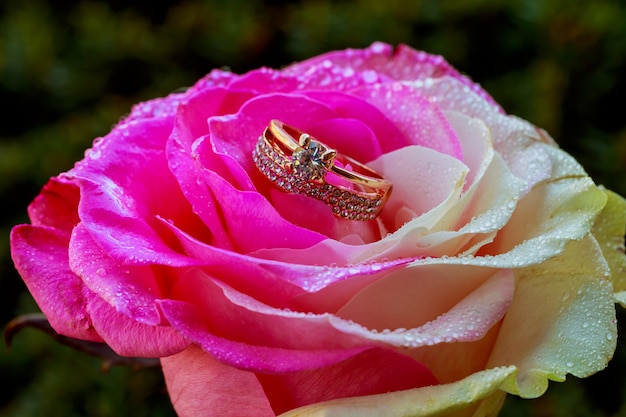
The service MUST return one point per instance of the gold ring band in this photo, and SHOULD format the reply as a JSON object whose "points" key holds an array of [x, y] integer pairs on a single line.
{"points": [[303, 165]]}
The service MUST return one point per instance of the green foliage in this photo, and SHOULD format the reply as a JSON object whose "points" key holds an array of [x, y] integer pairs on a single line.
{"points": [[69, 70]]}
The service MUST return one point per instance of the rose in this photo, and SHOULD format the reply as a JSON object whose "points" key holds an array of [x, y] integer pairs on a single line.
{"points": [[488, 270]]}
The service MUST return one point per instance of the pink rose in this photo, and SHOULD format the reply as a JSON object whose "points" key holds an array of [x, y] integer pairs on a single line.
{"points": [[488, 270]]}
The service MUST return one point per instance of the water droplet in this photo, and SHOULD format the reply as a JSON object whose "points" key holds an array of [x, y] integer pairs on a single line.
{"points": [[101, 272], [95, 154]]}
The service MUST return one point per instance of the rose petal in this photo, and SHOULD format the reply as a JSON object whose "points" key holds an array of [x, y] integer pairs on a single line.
{"points": [[189, 174], [56, 205], [265, 80], [192, 131], [199, 385], [483, 210], [372, 372], [347, 106], [513, 138], [131, 290], [265, 325], [119, 196], [236, 135], [561, 210], [609, 229], [427, 401], [317, 216], [422, 122], [248, 214], [423, 179], [465, 310], [561, 334], [342, 70], [450, 362], [189, 321], [166, 107], [128, 337], [350, 137], [275, 282], [60, 294]]}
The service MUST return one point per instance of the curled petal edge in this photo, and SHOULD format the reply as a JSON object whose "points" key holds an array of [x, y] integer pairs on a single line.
{"points": [[483, 387], [609, 230]]}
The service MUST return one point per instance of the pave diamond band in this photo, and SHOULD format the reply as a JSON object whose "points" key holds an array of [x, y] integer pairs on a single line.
{"points": [[300, 164]]}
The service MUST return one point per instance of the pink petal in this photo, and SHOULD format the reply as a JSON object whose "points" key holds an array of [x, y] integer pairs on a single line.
{"points": [[157, 108], [312, 214], [188, 172], [223, 164], [199, 385], [265, 80], [347, 106], [236, 135], [191, 131], [56, 205], [421, 121], [166, 107], [214, 79], [274, 281], [192, 116], [40, 256], [516, 140], [189, 321], [352, 68], [128, 337], [248, 215], [131, 290], [350, 137], [247, 320], [372, 372], [125, 182]]}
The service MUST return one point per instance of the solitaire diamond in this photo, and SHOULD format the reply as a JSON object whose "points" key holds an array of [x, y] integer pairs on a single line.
{"points": [[312, 160]]}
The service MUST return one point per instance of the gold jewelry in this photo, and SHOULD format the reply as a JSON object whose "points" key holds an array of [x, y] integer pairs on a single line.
{"points": [[302, 165]]}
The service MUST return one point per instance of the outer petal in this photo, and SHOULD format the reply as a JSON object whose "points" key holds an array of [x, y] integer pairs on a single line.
{"points": [[189, 321], [378, 63], [125, 182], [131, 290], [128, 337], [609, 230], [56, 205], [232, 392], [124, 312], [274, 280], [60, 294], [460, 398], [562, 320], [371, 372], [422, 122]]}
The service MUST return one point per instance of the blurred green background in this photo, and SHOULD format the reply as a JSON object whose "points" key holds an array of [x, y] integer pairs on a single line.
{"points": [[70, 69]]}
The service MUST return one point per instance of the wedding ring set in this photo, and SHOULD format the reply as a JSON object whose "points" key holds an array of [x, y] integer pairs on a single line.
{"points": [[298, 163]]}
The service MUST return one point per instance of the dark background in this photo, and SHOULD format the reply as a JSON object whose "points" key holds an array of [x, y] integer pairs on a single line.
{"points": [[70, 69]]}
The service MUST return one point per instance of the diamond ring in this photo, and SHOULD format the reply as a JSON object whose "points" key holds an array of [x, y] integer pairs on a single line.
{"points": [[298, 163]]}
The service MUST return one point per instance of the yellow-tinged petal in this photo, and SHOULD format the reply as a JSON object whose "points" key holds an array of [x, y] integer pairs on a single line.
{"points": [[561, 320], [478, 395], [609, 229]]}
